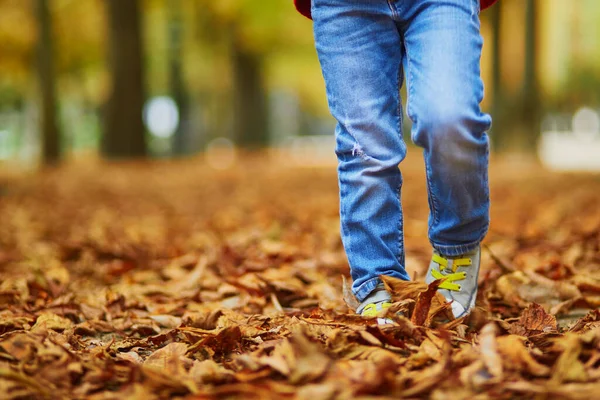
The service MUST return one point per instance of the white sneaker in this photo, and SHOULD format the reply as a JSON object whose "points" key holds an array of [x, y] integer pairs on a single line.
{"points": [[461, 273], [377, 301]]}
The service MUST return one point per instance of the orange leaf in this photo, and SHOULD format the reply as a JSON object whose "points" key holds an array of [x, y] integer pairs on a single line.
{"points": [[423, 305]]}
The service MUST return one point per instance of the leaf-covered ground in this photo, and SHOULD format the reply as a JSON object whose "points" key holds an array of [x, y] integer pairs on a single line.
{"points": [[172, 280]]}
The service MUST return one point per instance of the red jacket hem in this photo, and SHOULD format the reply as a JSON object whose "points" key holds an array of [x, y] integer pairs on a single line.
{"points": [[303, 6]]}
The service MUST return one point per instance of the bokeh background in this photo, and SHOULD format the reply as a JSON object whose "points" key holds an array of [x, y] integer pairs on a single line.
{"points": [[113, 79]]}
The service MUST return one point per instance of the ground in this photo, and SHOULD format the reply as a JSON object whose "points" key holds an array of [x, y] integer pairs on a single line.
{"points": [[175, 280]]}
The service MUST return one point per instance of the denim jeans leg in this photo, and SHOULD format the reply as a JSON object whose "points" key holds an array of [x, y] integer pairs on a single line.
{"points": [[360, 52], [443, 50]]}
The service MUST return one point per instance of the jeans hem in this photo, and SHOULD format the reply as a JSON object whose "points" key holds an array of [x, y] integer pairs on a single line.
{"points": [[366, 288], [456, 250]]}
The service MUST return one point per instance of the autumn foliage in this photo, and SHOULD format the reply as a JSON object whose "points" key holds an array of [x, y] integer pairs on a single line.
{"points": [[172, 280]]}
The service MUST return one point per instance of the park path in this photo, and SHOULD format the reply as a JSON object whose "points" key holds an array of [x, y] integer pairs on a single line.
{"points": [[175, 280]]}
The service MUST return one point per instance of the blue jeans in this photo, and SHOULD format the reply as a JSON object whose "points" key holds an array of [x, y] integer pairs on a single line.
{"points": [[365, 48]]}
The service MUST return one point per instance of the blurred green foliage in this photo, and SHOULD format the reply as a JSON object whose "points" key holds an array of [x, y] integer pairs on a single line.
{"points": [[217, 47]]}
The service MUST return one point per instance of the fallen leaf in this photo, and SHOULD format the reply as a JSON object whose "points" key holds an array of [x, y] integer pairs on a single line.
{"points": [[349, 297], [166, 321], [49, 321], [534, 320], [169, 358], [515, 356], [298, 358], [209, 372], [21, 346], [568, 367], [489, 351], [423, 305]]}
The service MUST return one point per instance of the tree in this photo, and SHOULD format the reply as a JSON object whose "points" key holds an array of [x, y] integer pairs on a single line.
{"points": [[531, 98], [249, 32], [124, 134], [45, 70], [516, 125], [497, 100], [176, 83], [250, 104]]}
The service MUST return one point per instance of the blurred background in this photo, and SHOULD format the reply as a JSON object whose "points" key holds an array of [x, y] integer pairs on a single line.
{"points": [[114, 79]]}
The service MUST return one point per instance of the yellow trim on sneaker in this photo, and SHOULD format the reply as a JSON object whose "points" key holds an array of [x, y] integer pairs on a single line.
{"points": [[454, 276], [449, 280], [456, 262], [370, 310]]}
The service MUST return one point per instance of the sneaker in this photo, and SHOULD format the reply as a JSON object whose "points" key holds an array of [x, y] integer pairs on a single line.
{"points": [[461, 273], [377, 301]]}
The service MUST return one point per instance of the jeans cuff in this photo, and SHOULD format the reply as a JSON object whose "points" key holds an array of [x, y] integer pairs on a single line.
{"points": [[456, 250], [366, 288]]}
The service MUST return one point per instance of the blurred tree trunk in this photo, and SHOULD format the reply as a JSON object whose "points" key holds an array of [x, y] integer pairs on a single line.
{"points": [[45, 71], [123, 129], [250, 103], [498, 97], [531, 97], [181, 140]]}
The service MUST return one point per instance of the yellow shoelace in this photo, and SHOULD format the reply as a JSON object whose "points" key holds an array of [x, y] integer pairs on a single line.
{"points": [[370, 310], [452, 263]]}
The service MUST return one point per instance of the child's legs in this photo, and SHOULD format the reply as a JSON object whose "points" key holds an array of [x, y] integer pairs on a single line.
{"points": [[360, 53], [443, 50]]}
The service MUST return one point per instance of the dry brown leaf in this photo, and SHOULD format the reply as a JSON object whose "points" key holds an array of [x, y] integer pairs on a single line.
{"points": [[223, 342], [423, 305], [488, 348], [311, 361], [135, 391], [131, 356], [534, 320], [166, 321], [401, 289], [203, 320], [362, 376], [20, 346], [515, 356], [323, 391], [568, 367], [430, 377], [430, 349], [169, 359], [282, 359], [508, 287], [298, 358], [349, 297], [564, 290], [241, 299], [33, 386], [474, 375], [589, 321], [209, 372], [586, 284], [50, 321]]}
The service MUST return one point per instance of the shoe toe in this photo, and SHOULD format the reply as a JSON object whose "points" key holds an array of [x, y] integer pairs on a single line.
{"points": [[458, 310]]}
